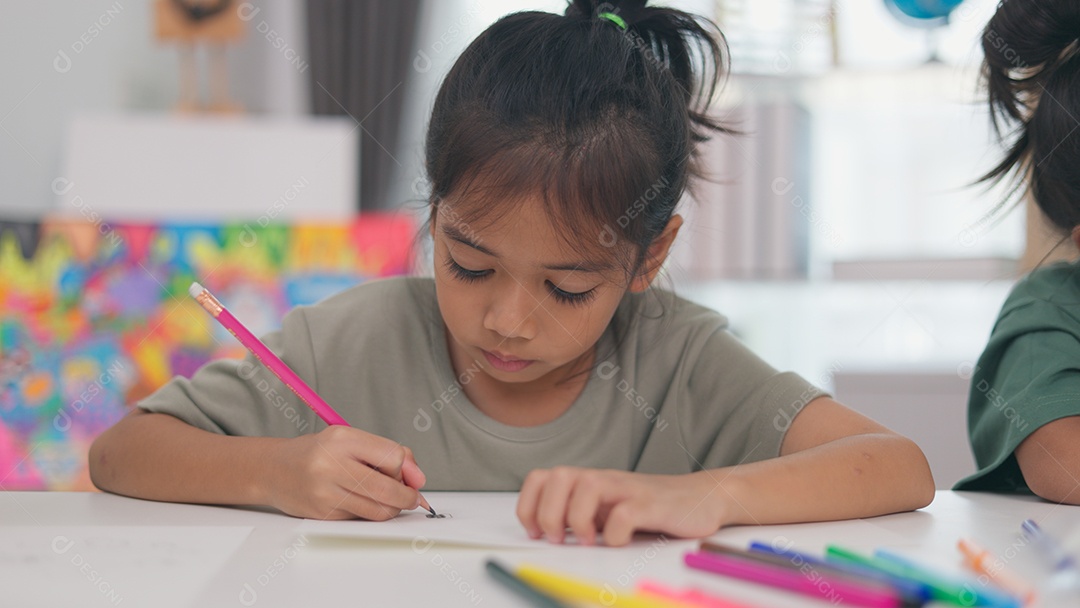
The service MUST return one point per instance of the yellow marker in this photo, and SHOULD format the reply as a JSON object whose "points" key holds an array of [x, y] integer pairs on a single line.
{"points": [[576, 590], [982, 561]]}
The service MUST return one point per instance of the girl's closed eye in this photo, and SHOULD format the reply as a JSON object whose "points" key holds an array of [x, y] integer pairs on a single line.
{"points": [[463, 273], [573, 298]]}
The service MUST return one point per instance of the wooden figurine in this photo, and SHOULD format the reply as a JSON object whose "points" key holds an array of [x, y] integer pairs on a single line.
{"points": [[190, 23]]}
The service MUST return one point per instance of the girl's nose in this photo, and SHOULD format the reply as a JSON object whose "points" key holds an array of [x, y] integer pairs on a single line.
{"points": [[511, 315]]}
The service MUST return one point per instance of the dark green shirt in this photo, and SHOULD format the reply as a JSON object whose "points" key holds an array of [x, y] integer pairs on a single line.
{"points": [[1028, 376]]}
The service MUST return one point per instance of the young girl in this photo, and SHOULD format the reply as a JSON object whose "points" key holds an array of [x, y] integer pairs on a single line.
{"points": [[539, 358], [1024, 409]]}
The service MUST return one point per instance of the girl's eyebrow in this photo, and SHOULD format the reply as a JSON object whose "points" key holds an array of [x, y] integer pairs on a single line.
{"points": [[583, 266], [460, 237], [591, 266]]}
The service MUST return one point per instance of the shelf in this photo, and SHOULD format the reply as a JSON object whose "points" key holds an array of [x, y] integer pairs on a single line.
{"points": [[817, 328]]}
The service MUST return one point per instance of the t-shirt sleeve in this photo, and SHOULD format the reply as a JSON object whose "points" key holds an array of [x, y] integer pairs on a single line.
{"points": [[1037, 381], [242, 396], [738, 407]]}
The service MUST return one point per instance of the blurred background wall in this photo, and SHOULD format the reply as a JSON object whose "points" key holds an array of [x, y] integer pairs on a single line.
{"points": [[841, 236]]}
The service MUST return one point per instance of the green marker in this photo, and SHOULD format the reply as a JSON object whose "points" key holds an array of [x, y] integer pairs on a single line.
{"points": [[966, 591], [940, 588], [527, 592]]}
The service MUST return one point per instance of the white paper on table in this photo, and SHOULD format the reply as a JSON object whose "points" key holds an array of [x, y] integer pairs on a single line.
{"points": [[112, 565], [479, 519]]}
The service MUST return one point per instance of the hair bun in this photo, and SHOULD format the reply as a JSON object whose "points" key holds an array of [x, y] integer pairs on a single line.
{"points": [[1023, 43], [589, 9]]}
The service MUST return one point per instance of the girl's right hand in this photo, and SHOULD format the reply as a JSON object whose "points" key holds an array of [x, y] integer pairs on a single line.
{"points": [[342, 473]]}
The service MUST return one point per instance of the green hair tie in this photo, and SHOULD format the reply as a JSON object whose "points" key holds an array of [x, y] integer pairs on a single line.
{"points": [[612, 17]]}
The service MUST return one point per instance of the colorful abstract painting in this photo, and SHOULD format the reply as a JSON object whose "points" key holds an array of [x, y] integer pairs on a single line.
{"points": [[95, 315]]}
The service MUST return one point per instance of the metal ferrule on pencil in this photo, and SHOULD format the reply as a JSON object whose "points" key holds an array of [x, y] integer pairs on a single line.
{"points": [[206, 299]]}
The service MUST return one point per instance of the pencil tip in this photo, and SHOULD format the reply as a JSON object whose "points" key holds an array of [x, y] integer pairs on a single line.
{"points": [[427, 505]]}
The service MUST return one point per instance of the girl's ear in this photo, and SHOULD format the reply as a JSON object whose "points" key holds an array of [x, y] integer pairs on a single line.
{"points": [[1076, 236], [656, 255]]}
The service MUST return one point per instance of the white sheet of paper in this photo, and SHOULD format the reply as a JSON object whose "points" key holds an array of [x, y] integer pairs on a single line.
{"points": [[482, 519], [113, 565]]}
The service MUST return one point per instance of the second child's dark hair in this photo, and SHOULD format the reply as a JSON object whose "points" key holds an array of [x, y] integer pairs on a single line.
{"points": [[599, 121], [1032, 73]]}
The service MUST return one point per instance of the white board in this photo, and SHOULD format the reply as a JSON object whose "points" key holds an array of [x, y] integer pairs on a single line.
{"points": [[168, 167]]}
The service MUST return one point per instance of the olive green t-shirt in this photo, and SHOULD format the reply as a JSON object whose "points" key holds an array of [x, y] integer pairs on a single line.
{"points": [[1028, 376], [672, 391]]}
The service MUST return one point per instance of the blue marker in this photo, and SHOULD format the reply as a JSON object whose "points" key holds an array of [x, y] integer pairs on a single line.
{"points": [[909, 589], [967, 594], [1059, 559]]}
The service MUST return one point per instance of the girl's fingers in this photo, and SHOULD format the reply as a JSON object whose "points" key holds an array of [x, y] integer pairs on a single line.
{"points": [[385, 471], [344, 472], [622, 521], [365, 481], [338, 514], [376, 452], [365, 508], [529, 499], [411, 473], [581, 513], [554, 499], [386, 459]]}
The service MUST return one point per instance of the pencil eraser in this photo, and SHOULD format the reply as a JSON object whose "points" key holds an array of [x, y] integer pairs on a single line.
{"points": [[195, 290]]}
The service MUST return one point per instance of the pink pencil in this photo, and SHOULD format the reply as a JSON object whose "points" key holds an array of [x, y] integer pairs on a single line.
{"points": [[265, 356], [276, 366], [823, 587]]}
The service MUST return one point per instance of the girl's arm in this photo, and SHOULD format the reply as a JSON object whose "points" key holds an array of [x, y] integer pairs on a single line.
{"points": [[834, 464], [1050, 460], [325, 475]]}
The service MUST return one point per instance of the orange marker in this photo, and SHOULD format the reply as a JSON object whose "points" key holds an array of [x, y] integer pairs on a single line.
{"points": [[982, 561]]}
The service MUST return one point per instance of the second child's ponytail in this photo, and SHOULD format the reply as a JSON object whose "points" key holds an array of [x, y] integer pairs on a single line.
{"points": [[1032, 75]]}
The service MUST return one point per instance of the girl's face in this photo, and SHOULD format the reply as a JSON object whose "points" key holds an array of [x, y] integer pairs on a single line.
{"points": [[516, 301]]}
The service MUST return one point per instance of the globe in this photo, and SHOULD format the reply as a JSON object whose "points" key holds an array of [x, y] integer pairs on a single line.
{"points": [[925, 10]]}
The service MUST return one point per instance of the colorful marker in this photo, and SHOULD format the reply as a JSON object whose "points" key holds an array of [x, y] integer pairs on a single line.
{"points": [[829, 588], [982, 597], [983, 562], [689, 597], [942, 588], [533, 595], [912, 591], [573, 590], [1058, 558]]}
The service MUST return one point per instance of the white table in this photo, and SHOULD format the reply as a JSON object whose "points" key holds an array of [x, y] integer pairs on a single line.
{"points": [[68, 549]]}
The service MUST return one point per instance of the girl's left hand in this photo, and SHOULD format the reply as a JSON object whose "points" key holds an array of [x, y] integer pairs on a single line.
{"points": [[618, 503]]}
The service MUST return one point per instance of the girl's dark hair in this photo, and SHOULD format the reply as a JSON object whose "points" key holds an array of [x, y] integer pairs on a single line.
{"points": [[599, 122], [1032, 73]]}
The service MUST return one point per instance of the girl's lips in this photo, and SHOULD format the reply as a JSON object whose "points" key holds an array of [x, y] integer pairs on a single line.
{"points": [[506, 365]]}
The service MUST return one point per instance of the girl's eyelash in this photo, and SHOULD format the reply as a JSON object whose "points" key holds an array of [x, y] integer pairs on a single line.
{"points": [[571, 298], [564, 297], [463, 273]]}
